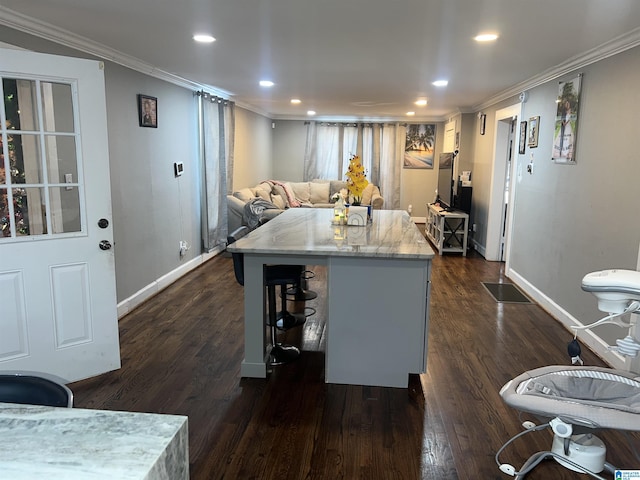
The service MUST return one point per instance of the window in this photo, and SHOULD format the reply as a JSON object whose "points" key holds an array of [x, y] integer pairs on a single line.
{"points": [[39, 173]]}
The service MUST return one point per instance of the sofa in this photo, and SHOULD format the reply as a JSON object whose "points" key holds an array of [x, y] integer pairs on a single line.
{"points": [[253, 206]]}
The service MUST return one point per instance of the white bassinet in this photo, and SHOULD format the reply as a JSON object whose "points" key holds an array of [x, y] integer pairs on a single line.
{"points": [[575, 400], [593, 397]]}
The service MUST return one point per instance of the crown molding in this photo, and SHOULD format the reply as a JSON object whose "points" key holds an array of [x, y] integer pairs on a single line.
{"points": [[26, 24], [613, 47], [12, 19]]}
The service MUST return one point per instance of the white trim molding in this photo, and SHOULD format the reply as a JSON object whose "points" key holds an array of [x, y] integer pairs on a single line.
{"points": [[594, 342], [155, 287]]}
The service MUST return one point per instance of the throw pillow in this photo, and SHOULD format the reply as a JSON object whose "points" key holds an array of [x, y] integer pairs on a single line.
{"points": [[336, 186], [244, 194], [319, 192], [278, 201], [367, 193], [279, 191], [263, 194], [301, 191]]}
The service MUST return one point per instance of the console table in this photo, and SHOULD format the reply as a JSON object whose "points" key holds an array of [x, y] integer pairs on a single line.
{"points": [[378, 285], [447, 229]]}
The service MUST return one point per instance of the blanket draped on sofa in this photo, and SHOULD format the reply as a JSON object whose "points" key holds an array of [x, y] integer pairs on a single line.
{"points": [[253, 211]]}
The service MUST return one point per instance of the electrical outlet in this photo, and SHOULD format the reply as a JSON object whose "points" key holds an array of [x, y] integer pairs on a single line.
{"points": [[410, 209], [183, 248]]}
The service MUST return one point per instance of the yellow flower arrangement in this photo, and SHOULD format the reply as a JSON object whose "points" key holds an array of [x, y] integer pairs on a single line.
{"points": [[356, 181]]}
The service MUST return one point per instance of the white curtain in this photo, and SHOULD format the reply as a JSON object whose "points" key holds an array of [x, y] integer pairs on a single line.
{"points": [[325, 149], [391, 154], [217, 121], [380, 147]]}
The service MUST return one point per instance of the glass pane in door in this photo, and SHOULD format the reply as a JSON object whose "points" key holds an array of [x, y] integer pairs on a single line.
{"points": [[25, 162], [57, 105], [65, 217], [39, 174], [61, 158], [20, 104]]}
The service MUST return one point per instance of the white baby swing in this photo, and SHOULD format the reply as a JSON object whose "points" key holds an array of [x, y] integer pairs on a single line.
{"points": [[576, 400]]}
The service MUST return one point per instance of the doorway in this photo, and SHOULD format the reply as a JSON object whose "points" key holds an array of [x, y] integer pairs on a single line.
{"points": [[57, 273], [502, 189]]}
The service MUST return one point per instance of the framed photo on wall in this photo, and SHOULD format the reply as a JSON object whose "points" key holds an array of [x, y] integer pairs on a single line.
{"points": [[566, 125], [534, 127], [419, 145], [147, 111], [523, 137]]}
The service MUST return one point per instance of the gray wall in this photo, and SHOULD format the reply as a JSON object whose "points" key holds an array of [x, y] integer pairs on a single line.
{"points": [[569, 220], [153, 210], [289, 138], [253, 147], [573, 219]]}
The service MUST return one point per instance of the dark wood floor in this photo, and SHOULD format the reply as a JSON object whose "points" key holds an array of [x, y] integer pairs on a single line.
{"points": [[181, 354]]}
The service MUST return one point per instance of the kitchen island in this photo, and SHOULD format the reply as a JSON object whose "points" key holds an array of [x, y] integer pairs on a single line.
{"points": [[378, 285], [76, 444]]}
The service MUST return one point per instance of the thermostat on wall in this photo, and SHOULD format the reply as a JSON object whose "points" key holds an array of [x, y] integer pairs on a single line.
{"points": [[178, 168]]}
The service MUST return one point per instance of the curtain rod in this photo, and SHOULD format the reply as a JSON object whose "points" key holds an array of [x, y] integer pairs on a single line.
{"points": [[214, 98]]}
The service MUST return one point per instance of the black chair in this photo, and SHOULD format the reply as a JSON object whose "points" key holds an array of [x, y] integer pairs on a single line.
{"points": [[274, 275], [33, 388]]}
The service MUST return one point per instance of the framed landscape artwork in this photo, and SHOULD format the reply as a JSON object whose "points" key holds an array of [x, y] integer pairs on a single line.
{"points": [[419, 145], [566, 125]]}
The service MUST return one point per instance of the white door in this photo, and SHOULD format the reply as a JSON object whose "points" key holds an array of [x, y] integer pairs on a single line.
{"points": [[57, 278]]}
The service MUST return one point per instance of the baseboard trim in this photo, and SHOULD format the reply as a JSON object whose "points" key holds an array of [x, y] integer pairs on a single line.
{"points": [[594, 342], [163, 282], [479, 248]]}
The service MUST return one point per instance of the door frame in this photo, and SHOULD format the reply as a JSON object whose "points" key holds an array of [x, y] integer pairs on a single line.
{"points": [[502, 126]]}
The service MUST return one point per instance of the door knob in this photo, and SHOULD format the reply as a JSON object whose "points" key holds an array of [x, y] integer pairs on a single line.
{"points": [[104, 245]]}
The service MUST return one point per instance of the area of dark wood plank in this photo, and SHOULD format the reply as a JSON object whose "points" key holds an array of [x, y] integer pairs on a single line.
{"points": [[181, 354]]}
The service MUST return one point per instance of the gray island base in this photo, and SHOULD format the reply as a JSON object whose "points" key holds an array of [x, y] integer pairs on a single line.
{"points": [[378, 285]]}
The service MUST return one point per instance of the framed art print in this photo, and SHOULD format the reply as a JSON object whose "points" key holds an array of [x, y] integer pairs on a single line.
{"points": [[419, 145], [523, 137], [534, 127], [566, 125], [147, 111]]}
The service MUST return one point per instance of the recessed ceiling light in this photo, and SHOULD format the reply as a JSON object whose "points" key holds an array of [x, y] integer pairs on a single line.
{"points": [[486, 37], [410, 114], [266, 83], [204, 38], [311, 112], [440, 83], [422, 102], [296, 101]]}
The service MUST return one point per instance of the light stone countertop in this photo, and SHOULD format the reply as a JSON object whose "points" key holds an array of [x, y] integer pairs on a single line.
{"points": [[78, 444], [309, 231]]}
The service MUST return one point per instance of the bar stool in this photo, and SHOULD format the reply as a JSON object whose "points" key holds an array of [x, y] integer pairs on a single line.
{"points": [[299, 292], [274, 275], [34, 388]]}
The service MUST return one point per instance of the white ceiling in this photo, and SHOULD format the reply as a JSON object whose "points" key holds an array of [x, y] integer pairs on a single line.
{"points": [[356, 59]]}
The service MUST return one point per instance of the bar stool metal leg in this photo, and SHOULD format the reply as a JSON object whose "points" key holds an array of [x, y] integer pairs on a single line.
{"points": [[300, 292], [280, 353]]}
